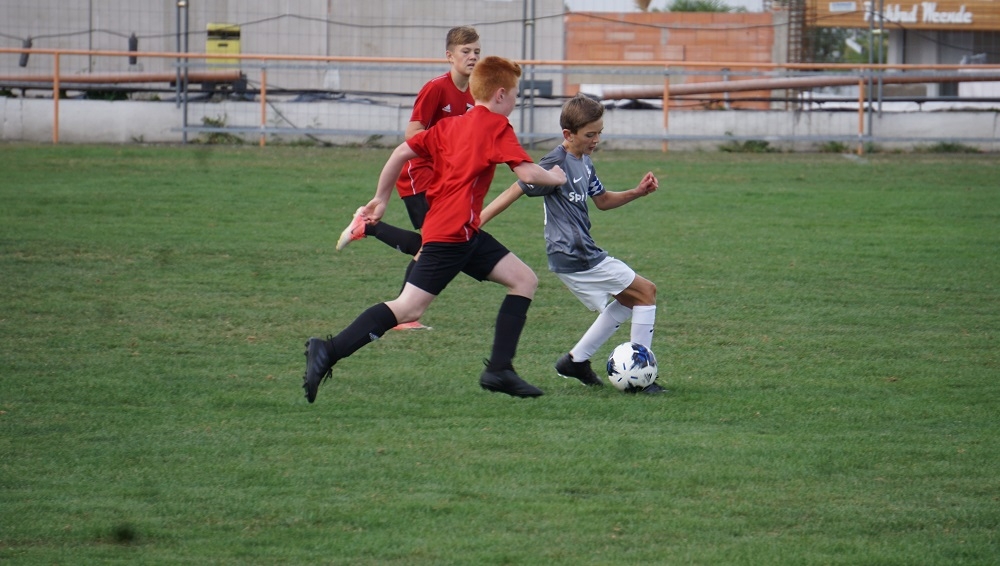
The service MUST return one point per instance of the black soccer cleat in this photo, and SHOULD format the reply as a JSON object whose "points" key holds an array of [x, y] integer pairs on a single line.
{"points": [[652, 389], [319, 368], [566, 367], [507, 381]]}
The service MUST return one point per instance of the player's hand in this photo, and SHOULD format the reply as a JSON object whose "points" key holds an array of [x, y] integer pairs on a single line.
{"points": [[560, 174], [648, 184], [373, 211]]}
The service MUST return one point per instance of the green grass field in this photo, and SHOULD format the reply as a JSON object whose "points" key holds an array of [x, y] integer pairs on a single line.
{"points": [[828, 329]]}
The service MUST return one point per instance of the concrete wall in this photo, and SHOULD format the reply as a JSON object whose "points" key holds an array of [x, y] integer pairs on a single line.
{"points": [[82, 121], [369, 28]]}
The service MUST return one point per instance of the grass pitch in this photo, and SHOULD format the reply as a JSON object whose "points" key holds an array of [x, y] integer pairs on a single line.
{"points": [[827, 329]]}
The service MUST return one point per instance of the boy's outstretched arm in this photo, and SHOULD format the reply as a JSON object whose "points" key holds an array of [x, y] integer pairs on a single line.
{"points": [[534, 174], [500, 204], [375, 209], [530, 173], [614, 199]]}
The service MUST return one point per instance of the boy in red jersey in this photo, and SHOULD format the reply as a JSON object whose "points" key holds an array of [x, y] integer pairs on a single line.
{"points": [[465, 152], [442, 97]]}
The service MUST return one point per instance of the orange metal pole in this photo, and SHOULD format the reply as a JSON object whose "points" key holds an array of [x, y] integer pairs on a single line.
{"points": [[743, 85], [263, 105], [861, 116], [194, 75], [55, 100], [522, 62]]}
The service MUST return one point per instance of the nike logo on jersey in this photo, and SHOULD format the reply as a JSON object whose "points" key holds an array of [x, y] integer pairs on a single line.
{"points": [[577, 180], [447, 109]]}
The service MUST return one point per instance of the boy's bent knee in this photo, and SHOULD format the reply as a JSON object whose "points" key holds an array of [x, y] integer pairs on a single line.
{"points": [[642, 292], [526, 285]]}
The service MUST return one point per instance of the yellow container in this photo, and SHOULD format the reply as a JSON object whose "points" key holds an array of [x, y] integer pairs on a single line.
{"points": [[222, 39]]}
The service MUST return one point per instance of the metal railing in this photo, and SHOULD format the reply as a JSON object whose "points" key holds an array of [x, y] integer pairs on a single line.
{"points": [[674, 83]]}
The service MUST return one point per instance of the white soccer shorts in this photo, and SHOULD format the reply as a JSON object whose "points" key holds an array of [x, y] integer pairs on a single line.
{"points": [[597, 285]]}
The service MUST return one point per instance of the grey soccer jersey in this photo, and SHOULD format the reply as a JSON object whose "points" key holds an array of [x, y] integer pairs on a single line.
{"points": [[567, 221]]}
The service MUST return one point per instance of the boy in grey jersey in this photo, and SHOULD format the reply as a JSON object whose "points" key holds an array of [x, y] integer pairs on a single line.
{"points": [[584, 267]]}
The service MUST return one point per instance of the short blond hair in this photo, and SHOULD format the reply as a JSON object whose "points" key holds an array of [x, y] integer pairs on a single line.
{"points": [[493, 73], [461, 35]]}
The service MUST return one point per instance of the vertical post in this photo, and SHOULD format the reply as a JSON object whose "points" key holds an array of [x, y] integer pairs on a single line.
{"points": [[861, 115], [524, 55], [871, 58], [881, 55], [263, 104], [531, 98], [725, 95], [183, 5], [177, 79], [666, 108], [528, 33], [90, 36], [55, 99]]}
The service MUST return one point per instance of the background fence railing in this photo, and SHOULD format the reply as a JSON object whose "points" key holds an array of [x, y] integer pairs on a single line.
{"points": [[803, 104]]}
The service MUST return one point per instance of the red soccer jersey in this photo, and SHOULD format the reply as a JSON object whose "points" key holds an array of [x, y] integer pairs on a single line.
{"points": [[437, 100], [465, 152]]}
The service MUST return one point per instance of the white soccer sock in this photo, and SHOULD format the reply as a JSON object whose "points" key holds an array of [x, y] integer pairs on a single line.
{"points": [[613, 315], [643, 318]]}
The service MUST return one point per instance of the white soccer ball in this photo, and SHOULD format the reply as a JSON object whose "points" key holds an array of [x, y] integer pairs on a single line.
{"points": [[631, 367]]}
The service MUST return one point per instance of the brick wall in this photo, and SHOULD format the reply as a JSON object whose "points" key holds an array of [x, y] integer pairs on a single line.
{"points": [[680, 37]]}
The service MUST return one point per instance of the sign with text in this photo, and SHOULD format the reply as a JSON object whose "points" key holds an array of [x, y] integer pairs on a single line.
{"points": [[907, 14]]}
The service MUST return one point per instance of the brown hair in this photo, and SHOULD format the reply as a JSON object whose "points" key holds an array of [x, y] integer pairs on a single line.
{"points": [[579, 111], [461, 35], [493, 73]]}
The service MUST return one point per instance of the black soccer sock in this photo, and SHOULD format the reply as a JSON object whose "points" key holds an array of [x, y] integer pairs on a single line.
{"points": [[406, 241], [368, 327], [510, 322]]}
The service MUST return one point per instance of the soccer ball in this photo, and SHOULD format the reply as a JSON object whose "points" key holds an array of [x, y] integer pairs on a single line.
{"points": [[631, 367]]}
